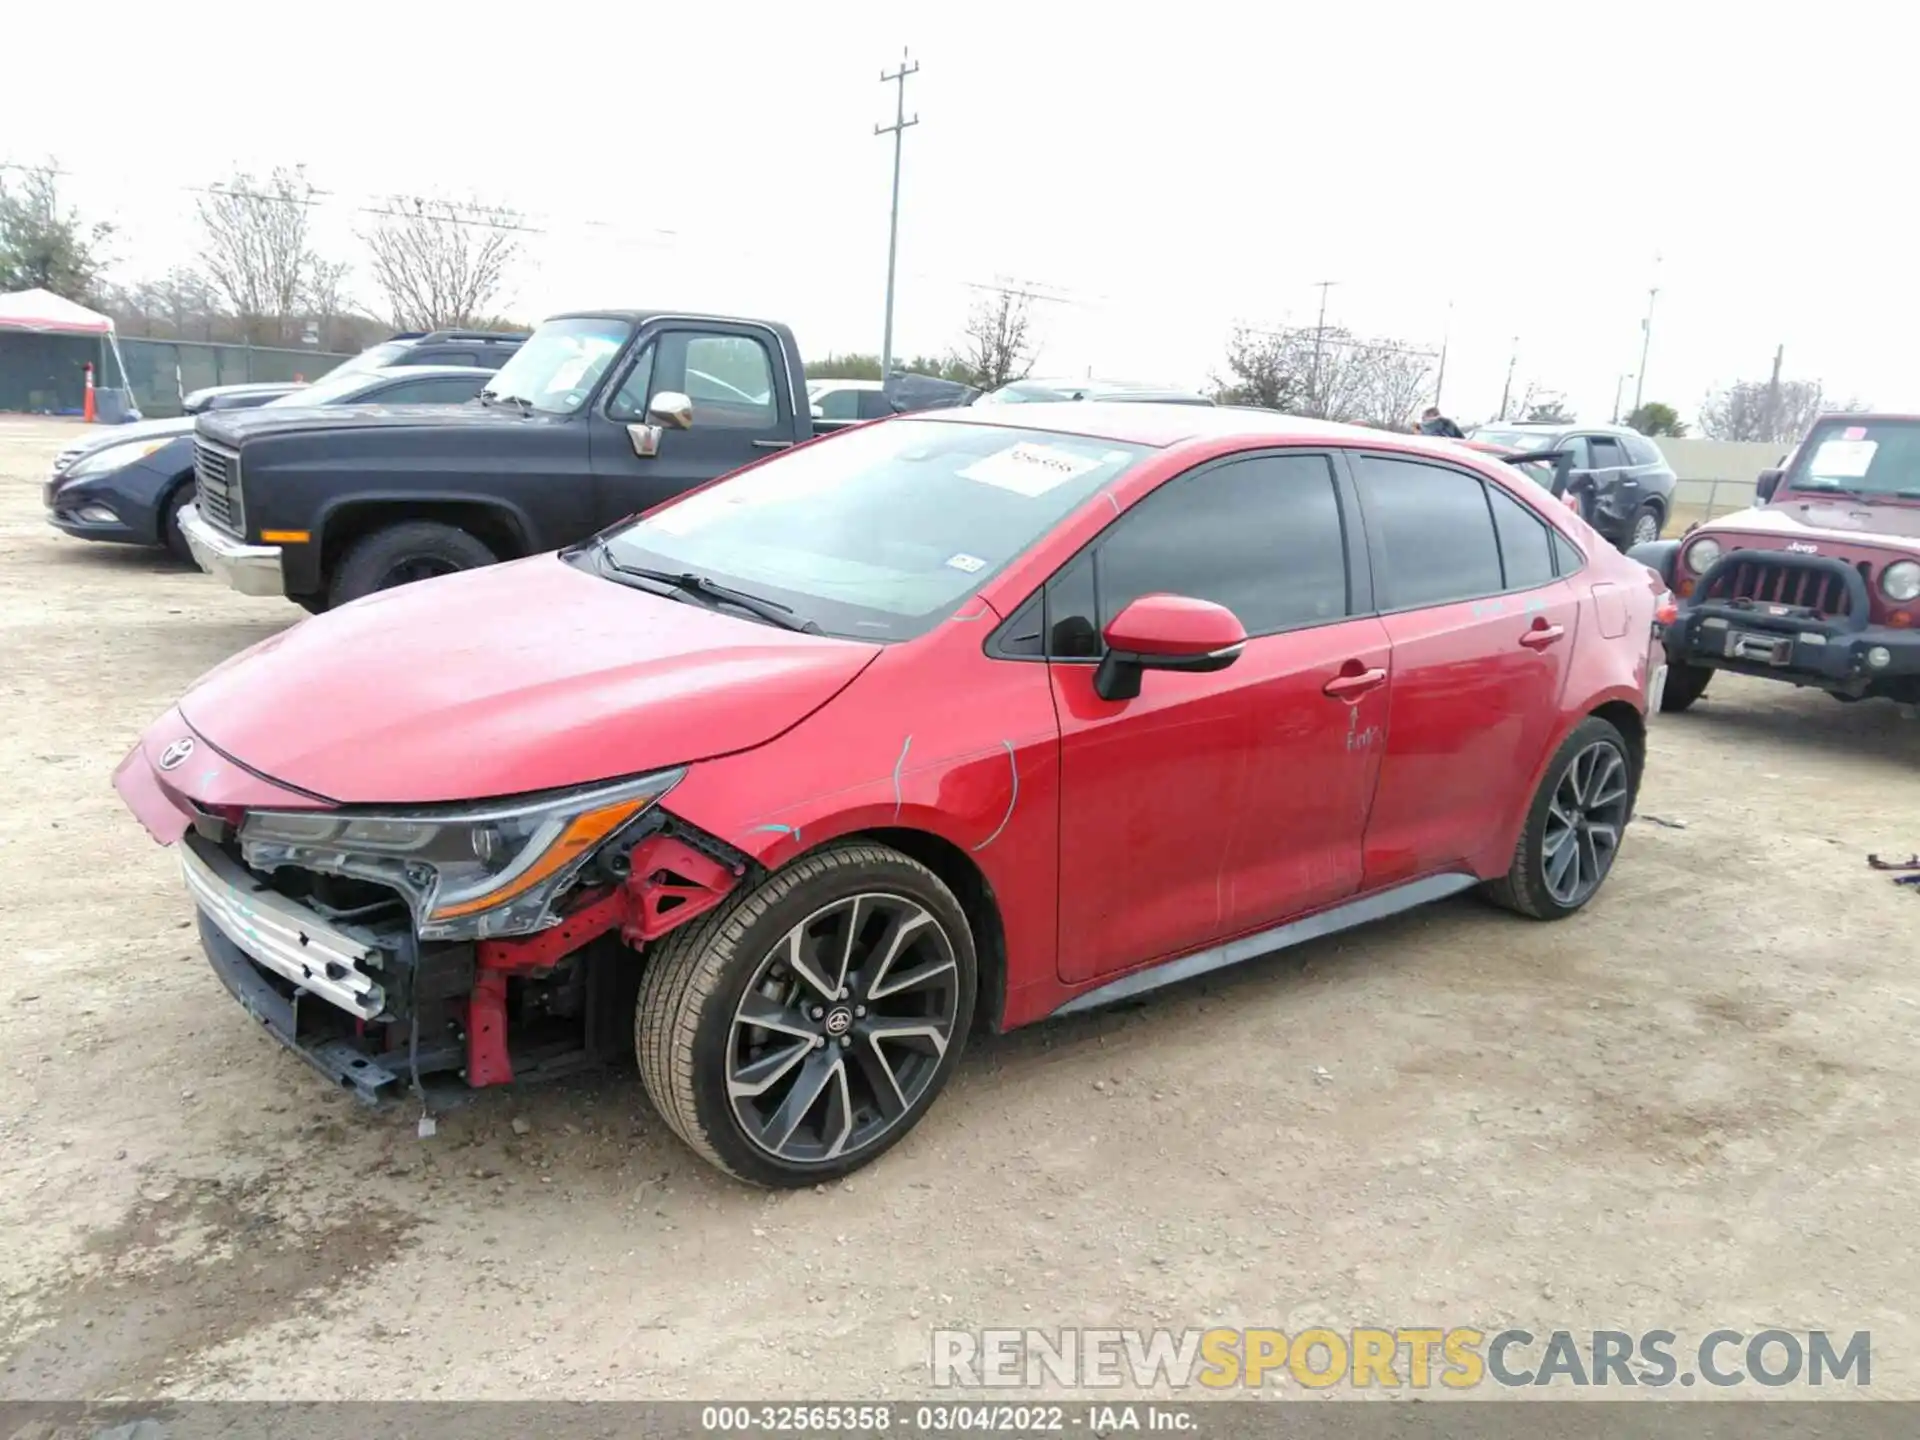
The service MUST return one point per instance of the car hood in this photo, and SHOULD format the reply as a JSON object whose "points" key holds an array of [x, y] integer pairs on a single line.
{"points": [[534, 675], [139, 430], [1842, 519], [232, 427]]}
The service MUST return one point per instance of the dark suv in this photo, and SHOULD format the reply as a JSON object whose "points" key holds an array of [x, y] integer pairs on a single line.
{"points": [[481, 349], [1623, 484]]}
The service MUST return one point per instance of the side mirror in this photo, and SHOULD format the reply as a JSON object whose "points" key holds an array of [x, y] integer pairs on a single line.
{"points": [[1166, 632], [670, 410], [1768, 482]]}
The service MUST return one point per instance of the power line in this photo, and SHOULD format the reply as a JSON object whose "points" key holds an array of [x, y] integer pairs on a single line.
{"points": [[898, 130]]}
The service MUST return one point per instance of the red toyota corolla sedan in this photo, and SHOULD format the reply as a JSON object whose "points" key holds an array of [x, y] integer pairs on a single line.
{"points": [[952, 719]]}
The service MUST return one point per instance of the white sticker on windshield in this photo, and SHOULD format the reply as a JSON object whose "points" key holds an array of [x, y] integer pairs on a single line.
{"points": [[1030, 469], [968, 563], [1842, 459]]}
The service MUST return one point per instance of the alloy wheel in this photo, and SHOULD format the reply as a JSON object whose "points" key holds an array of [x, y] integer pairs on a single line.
{"points": [[1646, 529], [1584, 820], [842, 1028]]}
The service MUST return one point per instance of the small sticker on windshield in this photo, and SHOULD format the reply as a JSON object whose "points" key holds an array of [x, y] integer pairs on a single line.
{"points": [[1842, 459], [1854, 432], [968, 563], [1030, 469]]}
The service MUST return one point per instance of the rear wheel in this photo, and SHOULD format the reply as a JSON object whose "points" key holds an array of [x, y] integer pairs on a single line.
{"points": [[402, 554], [1646, 524], [170, 534], [1685, 684], [801, 1031], [1574, 826]]}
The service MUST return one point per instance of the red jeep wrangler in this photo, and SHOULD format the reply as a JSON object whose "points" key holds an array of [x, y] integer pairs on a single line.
{"points": [[1819, 583]]}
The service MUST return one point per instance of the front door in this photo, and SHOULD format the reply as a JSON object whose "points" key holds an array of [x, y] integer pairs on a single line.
{"points": [[1482, 631], [741, 411], [1215, 804]]}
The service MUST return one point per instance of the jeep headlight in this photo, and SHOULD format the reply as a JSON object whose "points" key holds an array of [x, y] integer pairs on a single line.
{"points": [[1701, 555], [1901, 581], [468, 872]]}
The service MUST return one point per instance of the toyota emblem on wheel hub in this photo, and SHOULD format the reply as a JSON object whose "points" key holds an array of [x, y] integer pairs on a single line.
{"points": [[175, 754], [839, 1020]]}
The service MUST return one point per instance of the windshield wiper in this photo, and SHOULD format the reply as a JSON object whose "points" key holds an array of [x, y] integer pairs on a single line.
{"points": [[688, 582]]}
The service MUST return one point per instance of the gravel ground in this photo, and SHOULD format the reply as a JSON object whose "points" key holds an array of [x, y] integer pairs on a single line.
{"points": [[1690, 1107]]}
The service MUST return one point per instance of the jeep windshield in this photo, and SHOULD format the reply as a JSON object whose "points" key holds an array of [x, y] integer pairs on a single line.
{"points": [[873, 534], [557, 368], [1875, 460]]}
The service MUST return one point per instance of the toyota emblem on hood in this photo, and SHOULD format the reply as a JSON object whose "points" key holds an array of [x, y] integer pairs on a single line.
{"points": [[175, 754]]}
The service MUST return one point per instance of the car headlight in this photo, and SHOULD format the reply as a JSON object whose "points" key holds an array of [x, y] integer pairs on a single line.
{"points": [[467, 873], [1901, 581], [113, 457], [1701, 555]]}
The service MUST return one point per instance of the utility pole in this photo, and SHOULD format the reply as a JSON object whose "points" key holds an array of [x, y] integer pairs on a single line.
{"points": [[1646, 339], [1773, 391], [897, 130], [1506, 390], [1440, 380], [1319, 330], [1618, 386]]}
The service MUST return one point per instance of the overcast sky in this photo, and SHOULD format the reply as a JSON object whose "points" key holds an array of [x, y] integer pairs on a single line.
{"points": [[1159, 172]]}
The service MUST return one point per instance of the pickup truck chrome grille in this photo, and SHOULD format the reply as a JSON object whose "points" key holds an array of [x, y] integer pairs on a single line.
{"points": [[216, 475]]}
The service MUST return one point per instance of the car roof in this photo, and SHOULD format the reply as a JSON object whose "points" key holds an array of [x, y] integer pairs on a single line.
{"points": [[839, 384], [1163, 426], [640, 317], [1538, 427], [1082, 382], [423, 372]]}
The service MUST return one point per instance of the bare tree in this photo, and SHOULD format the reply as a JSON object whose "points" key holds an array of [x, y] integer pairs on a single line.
{"points": [[1329, 373], [997, 348], [255, 251], [326, 300], [440, 263], [1758, 410]]}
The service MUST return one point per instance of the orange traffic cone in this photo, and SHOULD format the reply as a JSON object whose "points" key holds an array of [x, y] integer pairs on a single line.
{"points": [[86, 406]]}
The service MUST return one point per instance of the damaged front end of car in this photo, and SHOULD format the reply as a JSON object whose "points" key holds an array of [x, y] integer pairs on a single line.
{"points": [[494, 941]]}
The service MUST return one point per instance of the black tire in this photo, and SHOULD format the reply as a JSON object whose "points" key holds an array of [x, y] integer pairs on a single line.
{"points": [[177, 500], [400, 554], [687, 1015], [1685, 684], [312, 604], [1530, 886], [1647, 514]]}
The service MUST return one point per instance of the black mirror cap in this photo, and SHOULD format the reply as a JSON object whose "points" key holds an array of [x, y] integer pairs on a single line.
{"points": [[1767, 484]]}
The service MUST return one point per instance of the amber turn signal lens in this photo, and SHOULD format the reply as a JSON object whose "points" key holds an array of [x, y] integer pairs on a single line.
{"points": [[1900, 619]]}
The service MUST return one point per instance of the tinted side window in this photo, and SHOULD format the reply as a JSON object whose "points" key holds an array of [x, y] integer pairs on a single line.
{"points": [[1576, 448], [1566, 559], [1261, 536], [1073, 629], [1608, 453], [1526, 544], [728, 377], [1641, 450], [1435, 530], [840, 405]]}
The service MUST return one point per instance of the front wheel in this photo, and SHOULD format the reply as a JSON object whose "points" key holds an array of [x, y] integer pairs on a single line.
{"points": [[170, 533], [797, 1033], [1685, 684], [401, 554], [1574, 826]]}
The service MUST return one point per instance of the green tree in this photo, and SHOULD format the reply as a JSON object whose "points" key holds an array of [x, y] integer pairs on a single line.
{"points": [[1654, 418], [43, 247], [1552, 411], [851, 366]]}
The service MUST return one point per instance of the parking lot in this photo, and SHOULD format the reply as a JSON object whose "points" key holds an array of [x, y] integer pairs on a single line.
{"points": [[1691, 1106]]}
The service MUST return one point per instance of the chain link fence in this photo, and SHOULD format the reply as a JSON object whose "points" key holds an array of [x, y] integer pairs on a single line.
{"points": [[161, 371]]}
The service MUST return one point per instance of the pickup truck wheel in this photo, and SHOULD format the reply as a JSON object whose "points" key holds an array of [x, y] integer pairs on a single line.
{"points": [[1685, 684], [170, 535], [401, 554], [799, 1032], [1574, 826]]}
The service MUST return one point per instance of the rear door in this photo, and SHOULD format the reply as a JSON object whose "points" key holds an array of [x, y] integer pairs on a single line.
{"points": [[1482, 632], [735, 377], [1216, 804]]}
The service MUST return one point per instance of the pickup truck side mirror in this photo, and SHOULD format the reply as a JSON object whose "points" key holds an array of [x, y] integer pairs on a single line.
{"points": [[669, 410], [1768, 482]]}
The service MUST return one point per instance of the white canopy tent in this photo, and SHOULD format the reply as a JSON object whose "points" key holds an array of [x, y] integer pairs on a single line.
{"points": [[41, 312]]}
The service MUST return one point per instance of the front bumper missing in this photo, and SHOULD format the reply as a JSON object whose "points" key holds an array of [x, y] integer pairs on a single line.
{"points": [[250, 569], [281, 935]]}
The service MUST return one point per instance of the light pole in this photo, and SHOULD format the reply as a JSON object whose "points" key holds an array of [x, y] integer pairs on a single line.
{"points": [[897, 130]]}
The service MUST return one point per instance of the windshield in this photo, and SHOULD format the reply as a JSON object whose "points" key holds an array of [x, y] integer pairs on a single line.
{"points": [[1021, 394], [1877, 458], [561, 362], [374, 357], [880, 532], [329, 389]]}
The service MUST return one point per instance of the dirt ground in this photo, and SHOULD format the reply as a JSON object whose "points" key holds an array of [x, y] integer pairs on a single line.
{"points": [[1692, 1106]]}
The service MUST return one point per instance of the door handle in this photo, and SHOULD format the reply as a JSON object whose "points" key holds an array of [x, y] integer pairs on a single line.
{"points": [[773, 444], [1354, 684], [1542, 636]]}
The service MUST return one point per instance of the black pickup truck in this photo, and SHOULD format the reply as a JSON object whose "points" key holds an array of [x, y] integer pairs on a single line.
{"points": [[599, 415]]}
